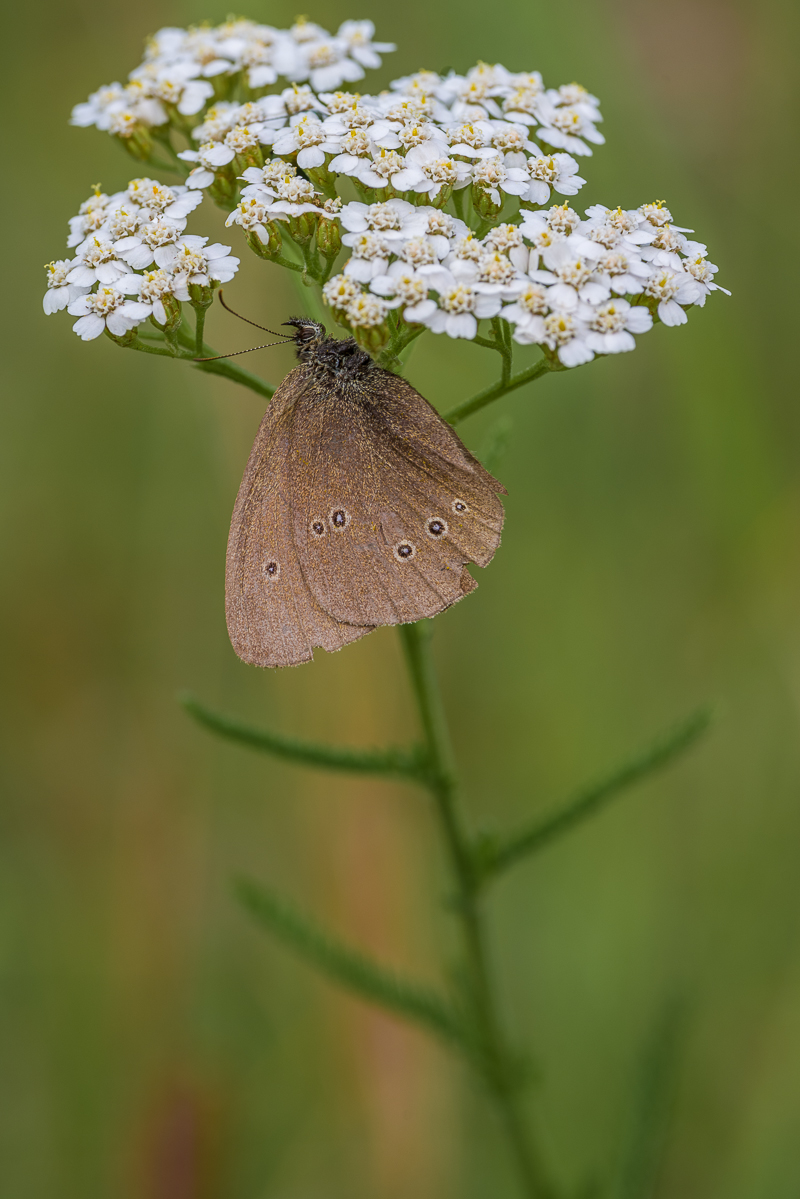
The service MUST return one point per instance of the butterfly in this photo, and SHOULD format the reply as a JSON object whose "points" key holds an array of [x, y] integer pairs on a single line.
{"points": [[359, 507]]}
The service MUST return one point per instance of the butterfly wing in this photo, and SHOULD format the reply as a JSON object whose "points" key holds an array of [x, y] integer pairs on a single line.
{"points": [[273, 618], [391, 506]]}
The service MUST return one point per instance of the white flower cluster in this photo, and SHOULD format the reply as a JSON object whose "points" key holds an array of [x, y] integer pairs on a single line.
{"points": [[472, 143], [417, 143], [577, 287], [133, 260], [184, 68]]}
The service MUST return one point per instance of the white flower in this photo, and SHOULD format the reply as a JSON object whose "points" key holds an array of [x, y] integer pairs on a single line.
{"points": [[702, 271], [324, 61], [123, 221], [572, 268], [365, 310], [564, 333], [153, 241], [219, 119], [97, 109], [472, 140], [152, 289], [339, 291], [491, 176], [657, 214], [395, 220], [667, 241], [270, 176], [92, 215], [97, 262], [210, 157], [421, 82], [567, 128], [252, 214], [530, 302], [356, 148], [296, 195], [190, 260], [109, 309], [59, 292], [672, 288], [370, 256], [616, 227], [522, 102], [611, 325], [404, 285], [576, 96], [495, 274], [422, 170], [459, 308], [308, 139], [174, 203], [187, 95], [357, 37], [626, 271], [556, 171], [423, 251]]}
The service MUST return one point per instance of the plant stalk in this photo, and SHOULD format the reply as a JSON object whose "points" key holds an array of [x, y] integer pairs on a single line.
{"points": [[494, 1061]]}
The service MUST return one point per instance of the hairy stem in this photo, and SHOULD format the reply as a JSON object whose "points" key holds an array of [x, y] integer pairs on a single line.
{"points": [[494, 1060], [503, 387], [199, 326], [223, 366]]}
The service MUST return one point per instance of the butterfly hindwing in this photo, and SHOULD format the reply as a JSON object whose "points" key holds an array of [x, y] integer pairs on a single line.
{"points": [[390, 506]]}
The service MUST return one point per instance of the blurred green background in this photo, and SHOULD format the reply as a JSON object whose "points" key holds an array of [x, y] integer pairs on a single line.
{"points": [[154, 1044]]}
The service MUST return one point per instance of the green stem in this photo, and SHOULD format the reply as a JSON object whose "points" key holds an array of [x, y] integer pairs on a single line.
{"points": [[223, 366], [488, 344], [504, 346], [199, 325], [494, 1061], [490, 394], [236, 374]]}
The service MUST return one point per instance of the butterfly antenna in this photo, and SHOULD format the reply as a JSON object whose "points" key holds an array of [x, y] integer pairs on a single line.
{"points": [[263, 328], [236, 353]]}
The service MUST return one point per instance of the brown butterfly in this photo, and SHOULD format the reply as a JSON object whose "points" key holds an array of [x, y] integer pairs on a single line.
{"points": [[359, 507]]}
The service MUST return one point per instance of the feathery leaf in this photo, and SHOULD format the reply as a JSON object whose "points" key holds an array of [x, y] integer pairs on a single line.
{"points": [[495, 853], [349, 967], [404, 763]]}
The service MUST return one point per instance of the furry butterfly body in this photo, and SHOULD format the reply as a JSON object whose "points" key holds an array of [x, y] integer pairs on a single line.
{"points": [[359, 507]]}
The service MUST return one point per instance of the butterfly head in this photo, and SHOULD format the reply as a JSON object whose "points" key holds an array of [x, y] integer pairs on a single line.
{"points": [[308, 335]]}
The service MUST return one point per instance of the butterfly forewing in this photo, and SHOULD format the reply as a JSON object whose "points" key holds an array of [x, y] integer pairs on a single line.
{"points": [[273, 619]]}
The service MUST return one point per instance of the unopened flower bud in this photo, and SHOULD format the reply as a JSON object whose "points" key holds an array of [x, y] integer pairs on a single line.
{"points": [[269, 248], [201, 295], [371, 339], [223, 190], [303, 227], [172, 309], [329, 237], [138, 142], [443, 195], [253, 156], [484, 204]]}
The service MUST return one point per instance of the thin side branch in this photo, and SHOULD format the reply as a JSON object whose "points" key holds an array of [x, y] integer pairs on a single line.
{"points": [[494, 856], [350, 967], [391, 762], [490, 394]]}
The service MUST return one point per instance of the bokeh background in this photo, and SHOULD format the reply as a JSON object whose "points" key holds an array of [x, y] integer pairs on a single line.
{"points": [[154, 1044]]}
